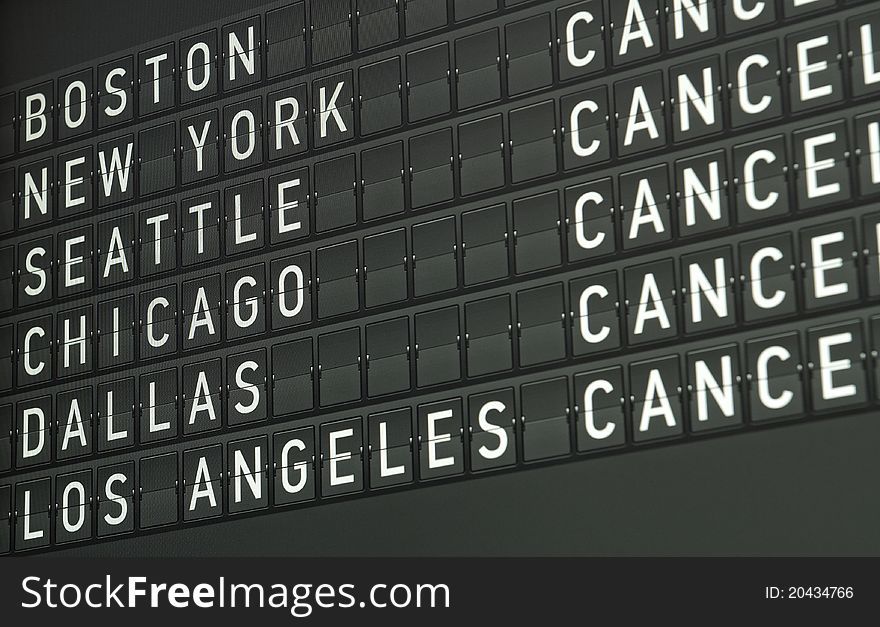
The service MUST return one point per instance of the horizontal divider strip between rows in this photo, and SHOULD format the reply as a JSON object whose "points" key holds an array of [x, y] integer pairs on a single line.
{"points": [[507, 194], [464, 389]]}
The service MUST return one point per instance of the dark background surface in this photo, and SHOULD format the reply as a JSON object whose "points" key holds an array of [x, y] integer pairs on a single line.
{"points": [[810, 488]]}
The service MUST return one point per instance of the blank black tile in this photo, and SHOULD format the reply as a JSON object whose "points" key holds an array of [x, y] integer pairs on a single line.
{"points": [[339, 370], [437, 346], [292, 377], [380, 106], [424, 15], [377, 23], [331, 30], [385, 268], [545, 414], [431, 176], [537, 232], [481, 154], [541, 324], [533, 141], [488, 336], [477, 73], [335, 193], [382, 175], [484, 244], [427, 82], [286, 36], [529, 61], [466, 9], [434, 262], [337, 272], [388, 357]]}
